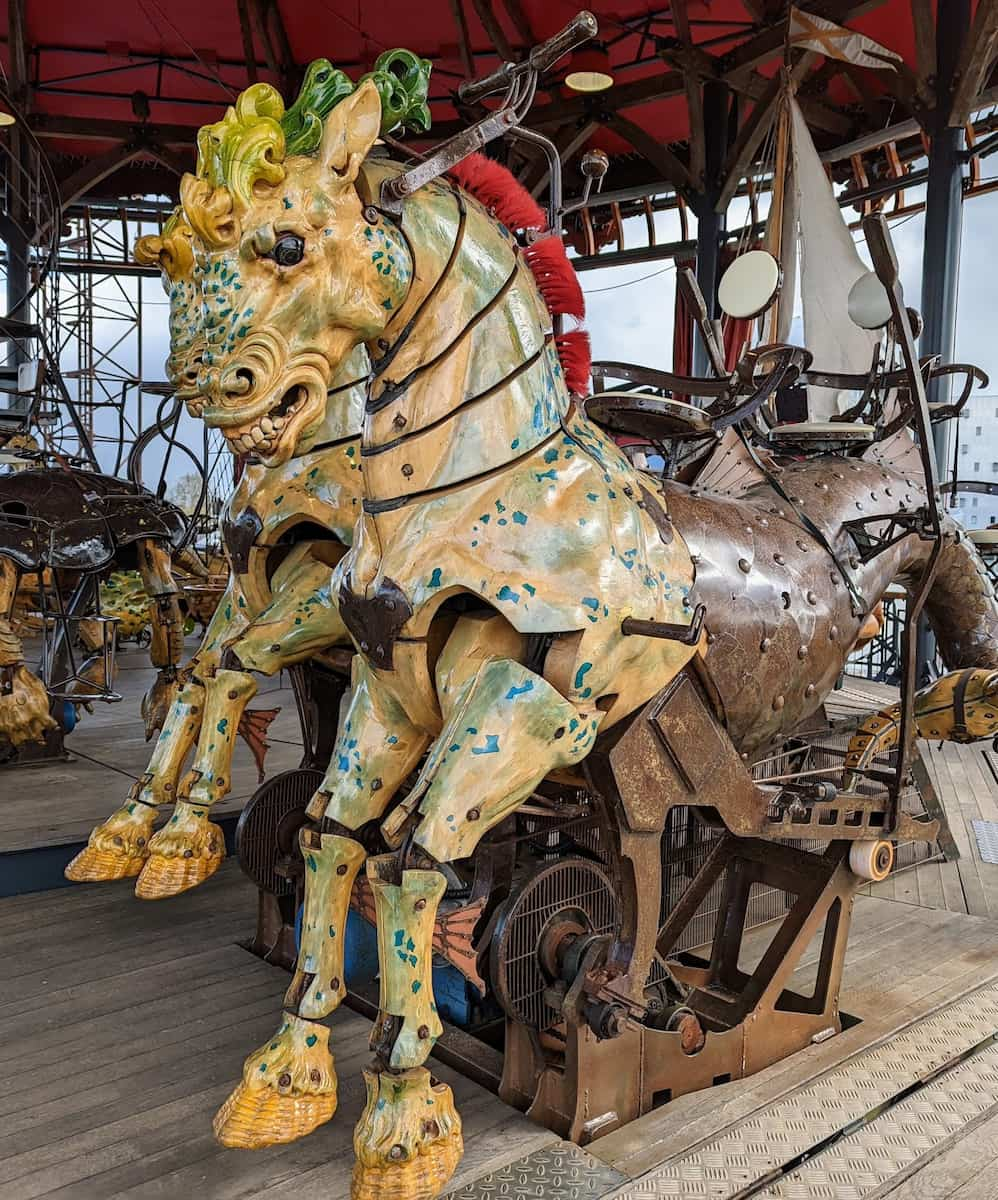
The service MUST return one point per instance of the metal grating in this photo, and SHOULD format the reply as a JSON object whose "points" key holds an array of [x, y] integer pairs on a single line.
{"points": [[558, 1172], [752, 1148], [986, 833], [895, 1141]]}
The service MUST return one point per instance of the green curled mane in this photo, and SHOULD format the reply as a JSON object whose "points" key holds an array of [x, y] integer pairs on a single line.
{"points": [[401, 78]]}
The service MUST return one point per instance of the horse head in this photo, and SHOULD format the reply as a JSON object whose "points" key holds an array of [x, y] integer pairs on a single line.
{"points": [[173, 252], [293, 275]]}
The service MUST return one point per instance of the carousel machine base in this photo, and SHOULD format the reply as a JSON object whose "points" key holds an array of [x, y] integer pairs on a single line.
{"points": [[525, 934]]}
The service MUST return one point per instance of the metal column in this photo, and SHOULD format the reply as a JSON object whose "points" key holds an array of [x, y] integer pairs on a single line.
{"points": [[710, 223], [941, 245]]}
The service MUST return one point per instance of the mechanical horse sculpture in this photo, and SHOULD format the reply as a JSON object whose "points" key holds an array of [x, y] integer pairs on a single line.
{"points": [[534, 620]]}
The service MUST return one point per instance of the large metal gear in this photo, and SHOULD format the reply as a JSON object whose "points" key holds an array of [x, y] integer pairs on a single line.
{"points": [[562, 900], [267, 832]]}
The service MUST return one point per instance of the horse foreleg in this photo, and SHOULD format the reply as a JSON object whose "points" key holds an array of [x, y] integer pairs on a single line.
{"points": [[507, 729], [119, 847], [289, 1084]]}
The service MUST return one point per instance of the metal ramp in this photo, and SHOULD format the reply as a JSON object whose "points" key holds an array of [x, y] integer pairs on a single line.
{"points": [[874, 1119]]}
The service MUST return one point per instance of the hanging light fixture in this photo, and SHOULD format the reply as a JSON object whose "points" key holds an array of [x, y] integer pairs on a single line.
{"points": [[7, 118], [589, 69]]}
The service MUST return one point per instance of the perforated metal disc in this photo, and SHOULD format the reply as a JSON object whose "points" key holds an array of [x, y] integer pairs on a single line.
{"points": [[268, 827], [574, 891]]}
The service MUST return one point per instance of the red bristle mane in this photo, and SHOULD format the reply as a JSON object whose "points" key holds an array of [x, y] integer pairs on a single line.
{"points": [[498, 190], [506, 198], [556, 277], [576, 358]]}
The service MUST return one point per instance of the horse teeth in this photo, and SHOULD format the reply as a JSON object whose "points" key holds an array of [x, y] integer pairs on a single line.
{"points": [[267, 425]]}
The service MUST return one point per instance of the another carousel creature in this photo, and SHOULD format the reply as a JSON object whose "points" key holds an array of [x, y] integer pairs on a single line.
{"points": [[292, 514], [66, 527], [503, 544]]}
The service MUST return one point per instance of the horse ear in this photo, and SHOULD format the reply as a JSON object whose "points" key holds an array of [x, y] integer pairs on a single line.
{"points": [[350, 131]]}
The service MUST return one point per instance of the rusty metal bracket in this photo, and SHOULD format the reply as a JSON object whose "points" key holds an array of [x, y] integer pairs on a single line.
{"points": [[670, 631]]}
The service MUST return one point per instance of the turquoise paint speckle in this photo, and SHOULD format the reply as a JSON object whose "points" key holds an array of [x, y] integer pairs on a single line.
{"points": [[507, 593], [519, 691], [491, 745], [519, 518], [580, 674], [435, 578]]}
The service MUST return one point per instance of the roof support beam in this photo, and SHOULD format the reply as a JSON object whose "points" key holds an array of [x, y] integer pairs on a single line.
{"points": [[461, 21], [495, 31], [661, 157], [96, 169], [980, 48], [694, 97], [246, 30], [925, 48], [17, 36]]}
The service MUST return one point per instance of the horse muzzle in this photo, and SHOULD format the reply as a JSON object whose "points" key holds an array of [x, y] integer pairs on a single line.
{"points": [[262, 398]]}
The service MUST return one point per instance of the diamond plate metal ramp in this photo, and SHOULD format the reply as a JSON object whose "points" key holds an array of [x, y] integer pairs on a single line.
{"points": [[559, 1172], [751, 1151]]}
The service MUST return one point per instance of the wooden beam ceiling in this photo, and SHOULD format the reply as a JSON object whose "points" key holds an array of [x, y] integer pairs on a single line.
{"points": [[976, 58]]}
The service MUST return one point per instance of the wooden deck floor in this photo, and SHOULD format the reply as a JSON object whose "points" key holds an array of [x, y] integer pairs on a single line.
{"points": [[125, 1024]]}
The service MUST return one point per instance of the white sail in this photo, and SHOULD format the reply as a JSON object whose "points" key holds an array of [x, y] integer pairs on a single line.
{"points": [[829, 266]]}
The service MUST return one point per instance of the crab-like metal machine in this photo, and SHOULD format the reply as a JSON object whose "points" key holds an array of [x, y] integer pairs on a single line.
{"points": [[585, 697]]}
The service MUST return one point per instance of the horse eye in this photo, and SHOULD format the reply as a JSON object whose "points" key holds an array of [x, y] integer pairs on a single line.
{"points": [[289, 250]]}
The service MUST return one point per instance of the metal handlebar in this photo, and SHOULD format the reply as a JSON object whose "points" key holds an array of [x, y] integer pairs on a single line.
{"points": [[580, 29]]}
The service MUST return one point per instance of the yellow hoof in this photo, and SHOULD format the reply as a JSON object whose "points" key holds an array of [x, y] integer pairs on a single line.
{"points": [[185, 852], [117, 849], [163, 876], [408, 1140], [101, 866], [287, 1090]]}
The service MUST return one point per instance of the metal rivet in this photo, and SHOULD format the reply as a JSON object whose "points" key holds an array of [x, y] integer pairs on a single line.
{"points": [[275, 648], [744, 565], [397, 1153], [802, 652], [341, 869], [778, 558], [473, 814], [365, 647], [711, 638], [764, 522], [284, 1080], [833, 633], [407, 469], [399, 421], [376, 785], [420, 905], [765, 644], [334, 984], [188, 854], [778, 703], [853, 561], [809, 690], [812, 598], [802, 545], [423, 1032], [834, 578], [315, 1075], [233, 694]]}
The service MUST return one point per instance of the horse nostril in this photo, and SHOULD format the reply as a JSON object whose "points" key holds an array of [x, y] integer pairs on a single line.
{"points": [[239, 382]]}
